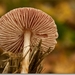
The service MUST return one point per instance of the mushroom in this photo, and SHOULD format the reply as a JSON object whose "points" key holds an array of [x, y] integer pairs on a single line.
{"points": [[22, 27]]}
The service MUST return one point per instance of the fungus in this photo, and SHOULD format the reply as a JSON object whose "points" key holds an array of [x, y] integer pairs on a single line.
{"points": [[22, 27]]}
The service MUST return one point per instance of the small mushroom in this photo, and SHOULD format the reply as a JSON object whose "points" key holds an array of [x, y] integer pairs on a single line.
{"points": [[22, 27]]}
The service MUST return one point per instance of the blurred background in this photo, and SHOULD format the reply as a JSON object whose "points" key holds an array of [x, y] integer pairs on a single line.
{"points": [[62, 59]]}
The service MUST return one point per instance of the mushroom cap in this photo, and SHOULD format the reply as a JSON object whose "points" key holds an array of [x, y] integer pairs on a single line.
{"points": [[14, 24]]}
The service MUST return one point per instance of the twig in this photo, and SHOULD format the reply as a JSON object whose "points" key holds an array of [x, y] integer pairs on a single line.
{"points": [[38, 56], [34, 59], [39, 69], [16, 71], [6, 69]]}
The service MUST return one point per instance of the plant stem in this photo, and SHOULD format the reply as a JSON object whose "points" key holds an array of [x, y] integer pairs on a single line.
{"points": [[25, 62]]}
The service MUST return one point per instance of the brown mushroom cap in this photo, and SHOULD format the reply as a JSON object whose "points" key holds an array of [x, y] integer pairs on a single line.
{"points": [[17, 21]]}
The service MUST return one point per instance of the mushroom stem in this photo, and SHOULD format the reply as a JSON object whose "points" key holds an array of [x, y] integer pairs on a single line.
{"points": [[25, 62]]}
